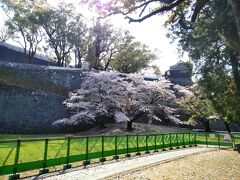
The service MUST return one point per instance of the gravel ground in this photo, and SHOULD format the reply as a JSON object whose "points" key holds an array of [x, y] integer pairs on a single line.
{"points": [[111, 168], [214, 165]]}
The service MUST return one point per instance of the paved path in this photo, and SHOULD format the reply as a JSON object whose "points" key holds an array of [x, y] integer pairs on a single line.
{"points": [[114, 168]]}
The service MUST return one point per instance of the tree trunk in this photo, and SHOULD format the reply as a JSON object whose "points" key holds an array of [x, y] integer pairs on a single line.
{"points": [[25, 56], [107, 64], [227, 126], [207, 126], [102, 125], [235, 71], [235, 5], [76, 60], [205, 123], [102, 121], [96, 64], [129, 125], [79, 59]]}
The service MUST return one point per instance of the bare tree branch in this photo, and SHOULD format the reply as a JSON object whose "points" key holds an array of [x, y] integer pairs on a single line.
{"points": [[197, 9], [158, 11]]}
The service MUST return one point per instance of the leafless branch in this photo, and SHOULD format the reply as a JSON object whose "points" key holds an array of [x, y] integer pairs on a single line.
{"points": [[197, 9], [158, 11]]}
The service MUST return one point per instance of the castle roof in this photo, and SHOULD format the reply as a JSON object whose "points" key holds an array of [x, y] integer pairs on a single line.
{"points": [[179, 65]]}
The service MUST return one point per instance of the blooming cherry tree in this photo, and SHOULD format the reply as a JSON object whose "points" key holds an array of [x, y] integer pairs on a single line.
{"points": [[120, 97]]}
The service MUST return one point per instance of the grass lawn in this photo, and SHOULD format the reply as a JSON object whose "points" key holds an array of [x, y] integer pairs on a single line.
{"points": [[15, 136], [111, 129]]}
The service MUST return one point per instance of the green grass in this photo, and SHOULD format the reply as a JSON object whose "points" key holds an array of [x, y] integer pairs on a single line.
{"points": [[25, 136], [139, 128], [151, 128]]}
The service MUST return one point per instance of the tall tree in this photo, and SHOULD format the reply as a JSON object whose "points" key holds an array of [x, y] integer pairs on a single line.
{"points": [[218, 86], [133, 58], [119, 41], [22, 23], [80, 41], [105, 42], [101, 38], [59, 26], [199, 106], [216, 64]]}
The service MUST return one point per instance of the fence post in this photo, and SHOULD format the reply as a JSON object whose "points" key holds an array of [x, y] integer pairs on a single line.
{"points": [[155, 143], [170, 141], [138, 153], [102, 159], [67, 165], [116, 156], [102, 146], [15, 175], [177, 140], [219, 145], [195, 139], [163, 143], [44, 170], [137, 144], [233, 141], [183, 141], [127, 155], [206, 139], [86, 162], [86, 148], [147, 152], [127, 144], [189, 140]]}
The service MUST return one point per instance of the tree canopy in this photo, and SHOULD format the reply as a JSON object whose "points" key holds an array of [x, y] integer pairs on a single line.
{"points": [[21, 24], [134, 57]]}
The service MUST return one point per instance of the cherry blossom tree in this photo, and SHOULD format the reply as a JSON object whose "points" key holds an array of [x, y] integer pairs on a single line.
{"points": [[120, 97]]}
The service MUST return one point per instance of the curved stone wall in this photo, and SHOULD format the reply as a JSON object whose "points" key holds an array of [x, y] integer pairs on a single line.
{"points": [[31, 96]]}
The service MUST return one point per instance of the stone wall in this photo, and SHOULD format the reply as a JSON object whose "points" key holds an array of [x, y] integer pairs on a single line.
{"points": [[29, 111], [31, 96]]}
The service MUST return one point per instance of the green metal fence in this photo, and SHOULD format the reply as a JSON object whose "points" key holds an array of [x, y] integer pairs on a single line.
{"points": [[29, 154], [217, 139]]}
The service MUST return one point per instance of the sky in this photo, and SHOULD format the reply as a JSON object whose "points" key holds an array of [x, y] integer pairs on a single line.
{"points": [[151, 32]]}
